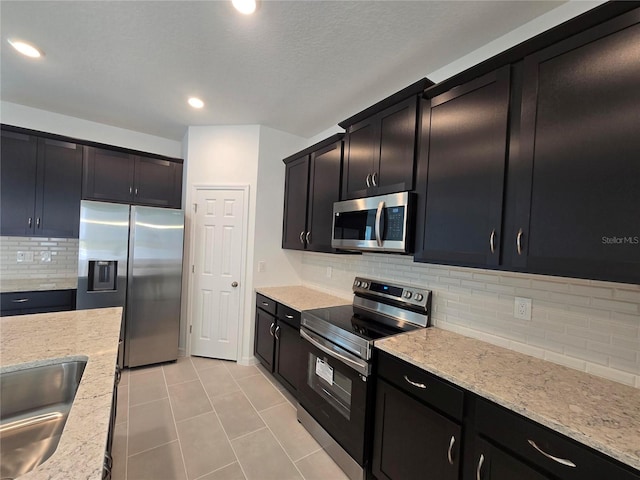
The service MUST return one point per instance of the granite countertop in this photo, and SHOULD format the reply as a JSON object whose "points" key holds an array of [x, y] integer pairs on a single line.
{"points": [[32, 340], [302, 298], [38, 284], [600, 413]]}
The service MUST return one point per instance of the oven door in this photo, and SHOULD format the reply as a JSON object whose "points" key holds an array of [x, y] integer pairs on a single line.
{"points": [[375, 223], [335, 391]]}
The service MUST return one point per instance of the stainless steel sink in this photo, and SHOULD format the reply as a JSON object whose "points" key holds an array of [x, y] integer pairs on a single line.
{"points": [[34, 406]]}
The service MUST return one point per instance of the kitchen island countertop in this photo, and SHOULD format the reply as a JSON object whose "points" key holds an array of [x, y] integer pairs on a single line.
{"points": [[597, 412], [33, 340], [302, 298]]}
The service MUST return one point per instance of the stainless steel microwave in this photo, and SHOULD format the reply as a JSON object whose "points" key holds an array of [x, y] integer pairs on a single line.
{"points": [[380, 224]]}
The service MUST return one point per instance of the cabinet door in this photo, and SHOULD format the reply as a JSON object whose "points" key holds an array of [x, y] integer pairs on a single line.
{"points": [[18, 159], [397, 139], [264, 340], [295, 204], [412, 440], [362, 153], [59, 189], [467, 151], [288, 356], [108, 175], [580, 193], [324, 190], [157, 182], [492, 463]]}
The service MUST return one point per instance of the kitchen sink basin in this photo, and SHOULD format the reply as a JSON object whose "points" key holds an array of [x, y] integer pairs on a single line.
{"points": [[34, 406]]}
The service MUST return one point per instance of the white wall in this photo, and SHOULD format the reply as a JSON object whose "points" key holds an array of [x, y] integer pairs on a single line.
{"points": [[50, 122]]}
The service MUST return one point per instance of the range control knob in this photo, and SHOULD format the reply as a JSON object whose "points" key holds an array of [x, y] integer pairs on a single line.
{"points": [[407, 294], [357, 283], [419, 297], [365, 285]]}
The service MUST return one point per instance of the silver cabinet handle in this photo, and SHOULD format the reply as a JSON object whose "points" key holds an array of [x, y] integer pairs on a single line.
{"points": [[519, 242], [377, 229], [415, 384], [130, 190], [234, 284], [30, 222], [20, 300], [38, 222], [271, 328], [561, 461], [302, 238], [368, 180], [289, 317], [136, 192], [374, 179], [277, 333], [492, 240], [308, 237], [450, 451], [265, 304], [479, 468]]}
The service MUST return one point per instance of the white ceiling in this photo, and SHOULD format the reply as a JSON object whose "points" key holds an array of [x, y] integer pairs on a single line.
{"points": [[297, 66]]}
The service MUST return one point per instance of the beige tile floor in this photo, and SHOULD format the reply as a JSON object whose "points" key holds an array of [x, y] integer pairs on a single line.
{"points": [[204, 419]]}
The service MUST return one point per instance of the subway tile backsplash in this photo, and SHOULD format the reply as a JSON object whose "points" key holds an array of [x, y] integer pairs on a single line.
{"points": [[588, 325], [37, 261]]}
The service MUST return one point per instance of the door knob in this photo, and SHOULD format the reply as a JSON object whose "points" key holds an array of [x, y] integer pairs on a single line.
{"points": [[234, 284]]}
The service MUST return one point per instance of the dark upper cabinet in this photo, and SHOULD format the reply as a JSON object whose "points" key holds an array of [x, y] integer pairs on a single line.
{"points": [[312, 185], [461, 171], [380, 152], [295, 203], [41, 186], [116, 176], [576, 177]]}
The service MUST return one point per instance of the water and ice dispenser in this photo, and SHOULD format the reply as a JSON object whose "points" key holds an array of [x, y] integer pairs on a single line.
{"points": [[103, 275]]}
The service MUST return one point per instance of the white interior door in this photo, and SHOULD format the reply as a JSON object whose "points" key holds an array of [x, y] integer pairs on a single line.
{"points": [[217, 268]]}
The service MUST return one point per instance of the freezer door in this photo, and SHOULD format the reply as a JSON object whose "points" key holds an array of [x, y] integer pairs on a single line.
{"points": [[154, 285], [102, 255]]}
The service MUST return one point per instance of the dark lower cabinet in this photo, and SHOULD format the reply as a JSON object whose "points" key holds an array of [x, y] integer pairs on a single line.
{"points": [[277, 342], [45, 301], [577, 176], [40, 186], [412, 440], [417, 432], [492, 463]]}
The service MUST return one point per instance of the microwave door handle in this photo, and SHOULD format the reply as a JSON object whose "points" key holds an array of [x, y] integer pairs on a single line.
{"points": [[378, 220]]}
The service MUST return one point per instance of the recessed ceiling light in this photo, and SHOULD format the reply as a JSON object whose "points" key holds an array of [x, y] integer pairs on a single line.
{"points": [[25, 48], [196, 102], [245, 6]]}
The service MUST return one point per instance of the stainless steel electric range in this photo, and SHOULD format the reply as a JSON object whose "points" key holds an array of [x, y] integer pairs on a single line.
{"points": [[336, 394]]}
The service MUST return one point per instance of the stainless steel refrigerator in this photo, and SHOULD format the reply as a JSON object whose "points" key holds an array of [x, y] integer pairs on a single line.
{"points": [[131, 256]]}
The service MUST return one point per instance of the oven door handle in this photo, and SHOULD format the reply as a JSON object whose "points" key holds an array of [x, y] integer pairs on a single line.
{"points": [[377, 227], [359, 365]]}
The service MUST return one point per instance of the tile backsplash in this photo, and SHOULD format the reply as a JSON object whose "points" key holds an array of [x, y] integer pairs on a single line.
{"points": [[41, 262], [588, 325]]}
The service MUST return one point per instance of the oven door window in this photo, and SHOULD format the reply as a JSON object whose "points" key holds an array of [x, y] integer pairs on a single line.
{"points": [[330, 384]]}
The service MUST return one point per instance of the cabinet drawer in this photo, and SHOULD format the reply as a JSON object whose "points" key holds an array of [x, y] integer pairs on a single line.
{"points": [[289, 315], [266, 304], [421, 384], [16, 303], [547, 450]]}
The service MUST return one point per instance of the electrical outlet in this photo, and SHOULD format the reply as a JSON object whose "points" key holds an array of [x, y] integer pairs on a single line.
{"points": [[19, 257], [262, 266], [45, 257], [522, 308], [329, 272]]}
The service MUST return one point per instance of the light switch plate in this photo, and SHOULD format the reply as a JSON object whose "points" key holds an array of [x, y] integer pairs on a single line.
{"points": [[262, 266], [329, 272]]}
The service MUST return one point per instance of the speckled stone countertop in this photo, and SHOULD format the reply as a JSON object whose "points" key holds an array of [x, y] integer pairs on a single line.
{"points": [[600, 413], [32, 340], [38, 284], [302, 298]]}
